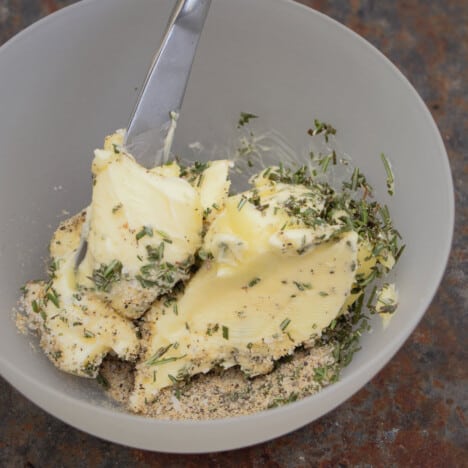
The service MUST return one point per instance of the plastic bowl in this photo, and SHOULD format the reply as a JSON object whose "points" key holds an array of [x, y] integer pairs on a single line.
{"points": [[73, 77]]}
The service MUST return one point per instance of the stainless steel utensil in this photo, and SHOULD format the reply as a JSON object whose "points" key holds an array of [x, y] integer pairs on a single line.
{"points": [[165, 84], [163, 91]]}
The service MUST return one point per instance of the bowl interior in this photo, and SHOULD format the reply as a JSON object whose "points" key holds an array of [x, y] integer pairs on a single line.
{"points": [[74, 77]]}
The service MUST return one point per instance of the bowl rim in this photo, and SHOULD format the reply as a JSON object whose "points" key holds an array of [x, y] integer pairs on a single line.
{"points": [[48, 395]]}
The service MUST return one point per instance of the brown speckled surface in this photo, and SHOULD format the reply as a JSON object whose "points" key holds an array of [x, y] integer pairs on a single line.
{"points": [[415, 411]]}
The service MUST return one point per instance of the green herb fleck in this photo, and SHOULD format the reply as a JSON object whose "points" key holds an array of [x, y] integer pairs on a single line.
{"points": [[101, 380], [53, 297], [163, 361], [245, 118], [322, 128], [241, 203], [302, 286], [35, 306], [116, 208], [284, 324], [158, 354], [165, 237], [88, 333], [253, 282], [390, 176], [225, 333], [106, 275], [145, 231]]}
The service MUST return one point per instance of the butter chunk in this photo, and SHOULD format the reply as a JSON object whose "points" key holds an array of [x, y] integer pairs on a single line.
{"points": [[144, 229], [76, 330], [253, 301]]}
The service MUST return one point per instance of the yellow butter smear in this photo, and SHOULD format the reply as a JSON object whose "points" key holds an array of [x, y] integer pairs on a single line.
{"points": [[182, 277]]}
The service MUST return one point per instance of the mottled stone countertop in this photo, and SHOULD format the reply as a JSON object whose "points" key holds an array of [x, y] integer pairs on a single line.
{"points": [[415, 411]]}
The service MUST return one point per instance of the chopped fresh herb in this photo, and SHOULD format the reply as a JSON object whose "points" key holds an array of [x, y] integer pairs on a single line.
{"points": [[400, 251], [325, 161], [175, 309], [53, 267], [88, 333], [253, 282], [145, 231], [155, 254], [90, 369], [241, 203], [165, 237], [225, 333], [245, 118], [116, 208], [163, 361], [302, 286], [52, 296], [323, 294], [101, 380], [158, 354], [172, 379], [284, 324], [204, 255], [212, 329], [106, 275], [322, 128], [390, 176], [35, 306]]}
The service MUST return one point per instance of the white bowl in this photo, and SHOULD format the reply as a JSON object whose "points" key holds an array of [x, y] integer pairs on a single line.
{"points": [[72, 78]]}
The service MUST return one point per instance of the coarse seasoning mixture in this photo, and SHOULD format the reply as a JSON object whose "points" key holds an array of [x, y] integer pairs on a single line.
{"points": [[256, 300]]}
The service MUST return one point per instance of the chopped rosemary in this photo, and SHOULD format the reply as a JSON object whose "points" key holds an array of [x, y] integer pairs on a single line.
{"points": [[35, 306], [241, 203], [245, 118], [101, 380], [390, 176], [163, 361], [88, 333], [302, 286], [116, 208], [253, 282], [322, 128], [145, 231], [106, 275], [212, 329], [225, 333], [155, 254], [52, 296], [284, 324], [158, 354], [164, 236]]}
